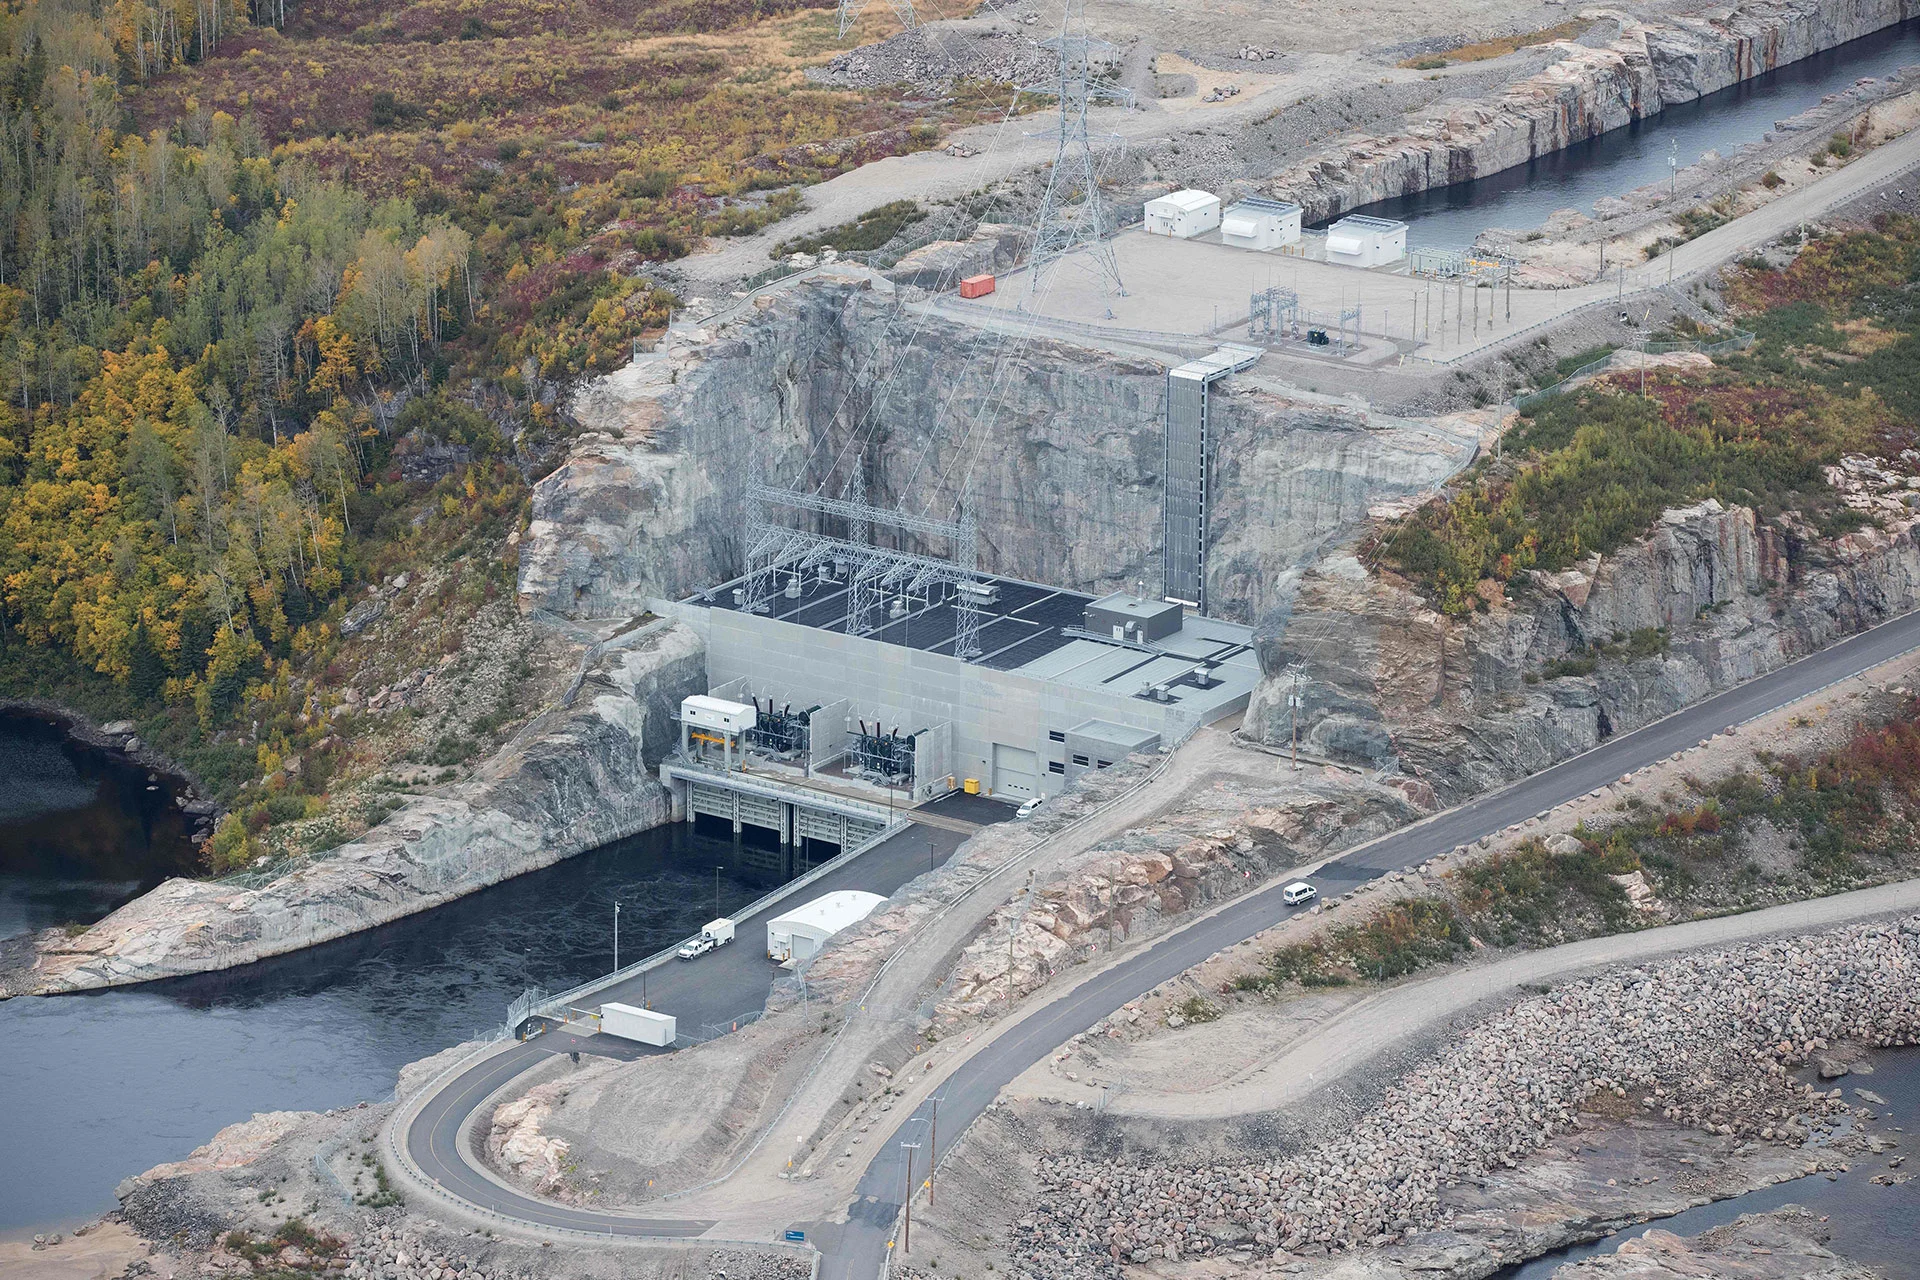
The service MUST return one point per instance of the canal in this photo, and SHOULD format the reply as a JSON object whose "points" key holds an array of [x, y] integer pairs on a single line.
{"points": [[1616, 162]]}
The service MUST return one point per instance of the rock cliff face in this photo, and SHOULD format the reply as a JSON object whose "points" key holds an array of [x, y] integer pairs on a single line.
{"points": [[1058, 447], [574, 778], [1462, 702], [1588, 91]]}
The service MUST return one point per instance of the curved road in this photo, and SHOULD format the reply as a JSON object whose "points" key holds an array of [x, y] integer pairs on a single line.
{"points": [[859, 1249]]}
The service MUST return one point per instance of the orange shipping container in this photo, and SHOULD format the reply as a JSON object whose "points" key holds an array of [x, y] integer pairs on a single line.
{"points": [[976, 286]]}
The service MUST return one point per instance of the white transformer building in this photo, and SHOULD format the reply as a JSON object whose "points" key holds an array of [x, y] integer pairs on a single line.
{"points": [[1361, 241], [1260, 223]]}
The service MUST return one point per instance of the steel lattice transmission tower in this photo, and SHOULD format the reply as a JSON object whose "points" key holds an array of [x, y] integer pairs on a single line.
{"points": [[850, 11], [1064, 223]]}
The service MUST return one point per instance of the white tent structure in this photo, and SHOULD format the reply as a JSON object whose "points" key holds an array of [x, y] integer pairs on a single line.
{"points": [[1183, 214], [798, 935], [1260, 223], [1360, 241]]}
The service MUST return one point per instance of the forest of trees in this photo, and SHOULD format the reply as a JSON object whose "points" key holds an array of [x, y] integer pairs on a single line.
{"points": [[199, 350]]}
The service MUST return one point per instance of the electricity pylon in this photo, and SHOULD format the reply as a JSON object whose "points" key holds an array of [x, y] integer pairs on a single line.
{"points": [[1065, 224], [850, 13]]}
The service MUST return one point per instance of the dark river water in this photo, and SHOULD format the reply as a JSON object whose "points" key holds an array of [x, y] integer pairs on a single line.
{"points": [[98, 1087], [1616, 162], [1877, 1225]]}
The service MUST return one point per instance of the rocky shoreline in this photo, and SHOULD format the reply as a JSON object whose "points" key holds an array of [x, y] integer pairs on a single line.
{"points": [[1707, 1042], [120, 740], [576, 777], [1591, 89]]}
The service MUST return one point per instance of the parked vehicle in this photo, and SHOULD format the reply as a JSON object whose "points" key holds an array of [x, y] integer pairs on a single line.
{"points": [[1298, 893], [713, 934], [1027, 808]]}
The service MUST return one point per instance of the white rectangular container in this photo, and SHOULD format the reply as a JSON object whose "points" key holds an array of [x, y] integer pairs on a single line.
{"points": [[643, 1025]]}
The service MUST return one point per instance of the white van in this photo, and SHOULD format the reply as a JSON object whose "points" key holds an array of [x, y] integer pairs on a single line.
{"points": [[1298, 892]]}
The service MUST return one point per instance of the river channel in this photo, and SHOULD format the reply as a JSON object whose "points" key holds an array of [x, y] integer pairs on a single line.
{"points": [[1618, 161], [1873, 1223], [104, 1085]]}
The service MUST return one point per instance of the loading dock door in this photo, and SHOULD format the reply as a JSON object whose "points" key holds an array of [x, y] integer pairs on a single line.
{"points": [[1016, 771]]}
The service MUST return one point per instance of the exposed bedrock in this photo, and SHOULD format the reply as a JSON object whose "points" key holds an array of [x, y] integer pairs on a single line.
{"points": [[1587, 91], [1059, 449], [1468, 703], [574, 778]]}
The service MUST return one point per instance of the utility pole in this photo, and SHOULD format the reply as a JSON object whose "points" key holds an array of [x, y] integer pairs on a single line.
{"points": [[906, 1238], [933, 1146]]}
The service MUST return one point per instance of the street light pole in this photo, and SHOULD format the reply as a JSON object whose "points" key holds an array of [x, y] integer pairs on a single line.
{"points": [[616, 935], [716, 891]]}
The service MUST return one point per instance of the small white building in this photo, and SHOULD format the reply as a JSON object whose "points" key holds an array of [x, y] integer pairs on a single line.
{"points": [[1260, 223], [1183, 214], [1360, 241], [798, 935]]}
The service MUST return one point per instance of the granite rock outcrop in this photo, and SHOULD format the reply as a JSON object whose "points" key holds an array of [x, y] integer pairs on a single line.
{"points": [[574, 778], [1589, 89], [1058, 447], [1711, 597]]}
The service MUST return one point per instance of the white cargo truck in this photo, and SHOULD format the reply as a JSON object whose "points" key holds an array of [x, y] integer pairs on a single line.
{"points": [[643, 1025], [714, 933], [799, 934]]}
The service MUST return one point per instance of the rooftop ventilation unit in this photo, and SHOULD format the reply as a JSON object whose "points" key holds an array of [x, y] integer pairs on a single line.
{"points": [[793, 587], [979, 593], [898, 609], [1203, 677]]}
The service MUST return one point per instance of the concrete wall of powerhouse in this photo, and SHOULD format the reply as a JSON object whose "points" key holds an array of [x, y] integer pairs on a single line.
{"points": [[917, 690]]}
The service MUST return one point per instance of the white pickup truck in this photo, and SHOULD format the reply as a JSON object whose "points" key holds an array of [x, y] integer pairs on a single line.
{"points": [[715, 933]]}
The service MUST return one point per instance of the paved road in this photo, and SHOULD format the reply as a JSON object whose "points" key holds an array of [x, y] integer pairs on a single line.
{"points": [[859, 1252], [713, 989]]}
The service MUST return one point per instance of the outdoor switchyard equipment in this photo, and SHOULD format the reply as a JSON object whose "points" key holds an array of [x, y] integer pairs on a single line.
{"points": [[780, 556], [1358, 240], [1182, 214], [1260, 223], [1188, 470]]}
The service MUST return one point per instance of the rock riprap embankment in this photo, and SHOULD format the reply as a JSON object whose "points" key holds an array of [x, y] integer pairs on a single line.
{"points": [[1706, 1040]]}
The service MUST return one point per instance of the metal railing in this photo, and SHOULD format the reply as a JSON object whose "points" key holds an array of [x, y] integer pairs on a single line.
{"points": [[573, 995]]}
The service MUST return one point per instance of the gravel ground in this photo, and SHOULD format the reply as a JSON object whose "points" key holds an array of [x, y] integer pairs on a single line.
{"points": [[1706, 1041]]}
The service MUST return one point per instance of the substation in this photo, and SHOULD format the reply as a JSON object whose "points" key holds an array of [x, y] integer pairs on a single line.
{"points": [[870, 664]]}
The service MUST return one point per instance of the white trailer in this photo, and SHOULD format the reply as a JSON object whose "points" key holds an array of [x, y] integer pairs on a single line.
{"points": [[798, 935], [1182, 214], [643, 1025], [715, 933]]}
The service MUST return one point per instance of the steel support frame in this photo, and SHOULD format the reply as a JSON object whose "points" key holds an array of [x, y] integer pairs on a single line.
{"points": [[773, 548]]}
